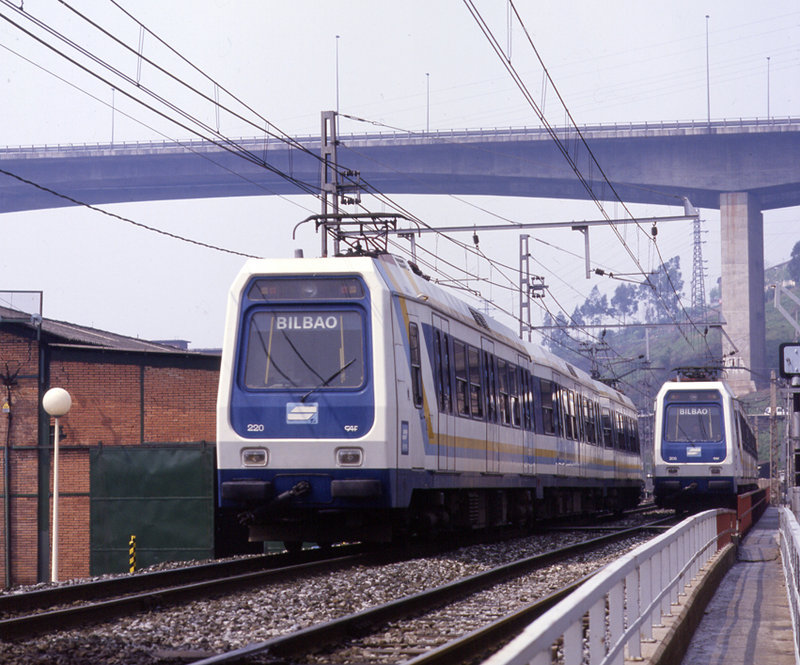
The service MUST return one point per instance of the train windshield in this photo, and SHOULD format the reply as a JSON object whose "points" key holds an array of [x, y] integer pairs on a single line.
{"points": [[305, 350], [695, 423]]}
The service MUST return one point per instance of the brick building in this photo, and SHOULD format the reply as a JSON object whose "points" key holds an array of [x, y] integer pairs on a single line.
{"points": [[127, 395]]}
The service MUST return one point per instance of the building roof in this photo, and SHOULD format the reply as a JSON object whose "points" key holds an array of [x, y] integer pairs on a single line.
{"points": [[72, 334]]}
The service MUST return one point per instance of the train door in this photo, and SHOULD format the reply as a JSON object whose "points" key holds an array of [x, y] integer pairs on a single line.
{"points": [[446, 425], [412, 425], [490, 391]]}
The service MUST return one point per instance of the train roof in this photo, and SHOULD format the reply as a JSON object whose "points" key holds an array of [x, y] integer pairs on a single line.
{"points": [[405, 278], [695, 385]]}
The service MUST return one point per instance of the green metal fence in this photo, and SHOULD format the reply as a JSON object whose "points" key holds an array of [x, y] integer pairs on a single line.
{"points": [[162, 494]]}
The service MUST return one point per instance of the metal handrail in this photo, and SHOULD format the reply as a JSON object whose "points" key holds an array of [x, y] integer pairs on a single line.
{"points": [[451, 133], [790, 558], [625, 601]]}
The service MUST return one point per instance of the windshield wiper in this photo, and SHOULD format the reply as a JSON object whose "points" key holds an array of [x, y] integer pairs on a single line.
{"points": [[270, 359], [300, 355], [328, 380]]}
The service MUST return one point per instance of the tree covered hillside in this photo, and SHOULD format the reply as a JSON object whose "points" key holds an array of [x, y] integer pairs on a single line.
{"points": [[638, 337]]}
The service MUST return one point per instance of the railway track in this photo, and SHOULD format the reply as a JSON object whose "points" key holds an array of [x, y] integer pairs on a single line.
{"points": [[165, 626], [28, 614], [372, 634], [79, 605]]}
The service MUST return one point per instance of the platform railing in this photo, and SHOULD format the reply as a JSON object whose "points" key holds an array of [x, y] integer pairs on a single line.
{"points": [[608, 618], [790, 557]]}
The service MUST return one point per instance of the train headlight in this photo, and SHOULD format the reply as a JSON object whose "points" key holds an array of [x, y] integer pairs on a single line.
{"points": [[254, 456], [715, 470], [672, 469], [349, 456]]}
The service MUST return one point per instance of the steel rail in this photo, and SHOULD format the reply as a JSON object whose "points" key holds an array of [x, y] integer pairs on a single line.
{"points": [[365, 621], [39, 599], [98, 611]]}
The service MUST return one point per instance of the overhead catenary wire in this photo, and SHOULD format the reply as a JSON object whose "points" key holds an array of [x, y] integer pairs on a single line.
{"points": [[277, 133], [183, 144], [122, 218], [206, 127], [219, 141], [563, 149]]}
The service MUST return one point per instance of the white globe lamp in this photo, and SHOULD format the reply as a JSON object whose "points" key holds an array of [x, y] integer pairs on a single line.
{"points": [[56, 402]]}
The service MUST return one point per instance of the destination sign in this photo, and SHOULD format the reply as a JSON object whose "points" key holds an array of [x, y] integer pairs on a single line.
{"points": [[306, 322], [693, 411]]}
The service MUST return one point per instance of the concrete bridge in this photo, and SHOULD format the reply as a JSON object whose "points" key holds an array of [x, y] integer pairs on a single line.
{"points": [[739, 167]]}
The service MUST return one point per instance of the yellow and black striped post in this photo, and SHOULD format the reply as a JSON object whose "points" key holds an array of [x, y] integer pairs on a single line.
{"points": [[132, 553]]}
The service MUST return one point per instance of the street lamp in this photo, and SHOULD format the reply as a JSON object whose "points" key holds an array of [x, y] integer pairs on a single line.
{"points": [[428, 102], [767, 88], [708, 77], [57, 403], [337, 75]]}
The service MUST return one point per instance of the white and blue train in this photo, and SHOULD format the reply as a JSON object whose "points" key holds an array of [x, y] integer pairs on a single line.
{"points": [[705, 452], [359, 401]]}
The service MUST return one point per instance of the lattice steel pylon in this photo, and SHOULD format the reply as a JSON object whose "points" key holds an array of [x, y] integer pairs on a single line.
{"points": [[698, 271]]}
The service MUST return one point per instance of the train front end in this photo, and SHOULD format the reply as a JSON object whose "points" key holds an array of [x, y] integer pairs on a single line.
{"points": [[694, 461], [301, 446]]}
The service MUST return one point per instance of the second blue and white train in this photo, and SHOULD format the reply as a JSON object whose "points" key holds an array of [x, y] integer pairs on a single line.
{"points": [[705, 452], [359, 401]]}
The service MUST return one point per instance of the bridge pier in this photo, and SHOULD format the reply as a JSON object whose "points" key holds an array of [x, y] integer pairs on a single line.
{"points": [[742, 291]]}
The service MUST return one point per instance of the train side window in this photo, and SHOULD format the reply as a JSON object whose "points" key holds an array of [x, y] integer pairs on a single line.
{"points": [[503, 399], [548, 407], [749, 442], [437, 368], [513, 393], [620, 431], [416, 363], [635, 435], [608, 429], [475, 389], [566, 399], [447, 385], [523, 399], [588, 420], [462, 377], [528, 402], [441, 362], [580, 430], [573, 415], [526, 399], [591, 422], [491, 387]]}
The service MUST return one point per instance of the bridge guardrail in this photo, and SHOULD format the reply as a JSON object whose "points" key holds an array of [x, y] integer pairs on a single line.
{"points": [[790, 557], [726, 123], [624, 601]]}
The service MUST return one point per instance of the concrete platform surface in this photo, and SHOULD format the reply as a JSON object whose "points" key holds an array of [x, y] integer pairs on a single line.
{"points": [[748, 621]]}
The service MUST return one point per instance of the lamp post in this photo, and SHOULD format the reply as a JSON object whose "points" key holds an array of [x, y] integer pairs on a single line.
{"points": [[57, 403], [337, 75], [428, 102], [767, 88], [708, 78]]}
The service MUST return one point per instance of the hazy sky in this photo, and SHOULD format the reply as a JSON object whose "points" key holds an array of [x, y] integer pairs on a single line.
{"points": [[612, 62]]}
